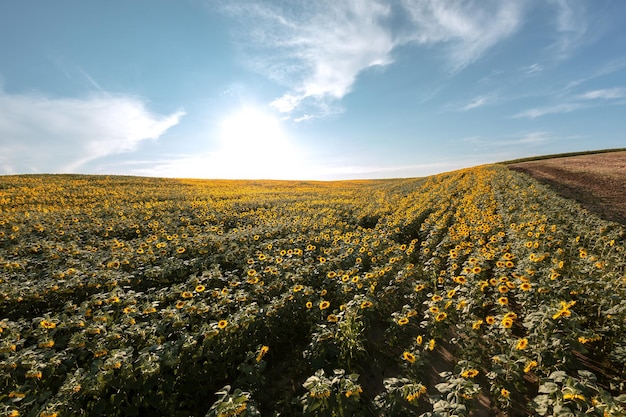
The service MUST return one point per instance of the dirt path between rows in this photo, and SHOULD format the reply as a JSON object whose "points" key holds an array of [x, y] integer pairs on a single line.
{"points": [[596, 181]]}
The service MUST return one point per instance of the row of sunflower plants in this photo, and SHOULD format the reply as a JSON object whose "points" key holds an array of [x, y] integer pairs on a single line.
{"points": [[474, 290]]}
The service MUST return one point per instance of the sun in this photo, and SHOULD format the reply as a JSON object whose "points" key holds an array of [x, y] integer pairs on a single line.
{"points": [[253, 144]]}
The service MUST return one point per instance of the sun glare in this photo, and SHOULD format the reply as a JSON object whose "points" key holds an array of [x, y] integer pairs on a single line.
{"points": [[253, 144]]}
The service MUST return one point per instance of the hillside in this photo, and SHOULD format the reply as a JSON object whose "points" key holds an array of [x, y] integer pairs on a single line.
{"points": [[597, 181], [474, 293]]}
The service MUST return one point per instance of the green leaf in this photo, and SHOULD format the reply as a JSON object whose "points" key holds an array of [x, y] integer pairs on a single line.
{"points": [[621, 399], [548, 388], [558, 376], [587, 374]]}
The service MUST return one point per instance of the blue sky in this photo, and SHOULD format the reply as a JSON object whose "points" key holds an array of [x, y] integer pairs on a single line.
{"points": [[325, 89]]}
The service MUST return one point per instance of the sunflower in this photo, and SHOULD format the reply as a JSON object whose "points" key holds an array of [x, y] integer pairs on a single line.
{"points": [[222, 324], [324, 305], [309, 304], [186, 294], [521, 344], [34, 375], [490, 320], [529, 366], [510, 315], [332, 318], [431, 344], [561, 313], [503, 301], [470, 373], [505, 393], [200, 288], [507, 323], [46, 344], [408, 356], [402, 321], [525, 286], [366, 304], [262, 352], [570, 396], [441, 317], [47, 324]]}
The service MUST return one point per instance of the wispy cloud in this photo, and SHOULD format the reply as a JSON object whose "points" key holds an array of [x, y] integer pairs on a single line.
{"points": [[611, 67], [531, 138], [42, 134], [531, 69], [606, 94], [469, 28], [542, 111], [571, 25], [479, 102], [318, 49], [589, 99], [525, 139]]}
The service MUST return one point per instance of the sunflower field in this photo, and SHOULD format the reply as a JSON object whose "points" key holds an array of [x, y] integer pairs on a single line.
{"points": [[476, 292]]}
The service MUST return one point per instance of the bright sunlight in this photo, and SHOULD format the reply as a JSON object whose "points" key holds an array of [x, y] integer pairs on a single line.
{"points": [[254, 145]]}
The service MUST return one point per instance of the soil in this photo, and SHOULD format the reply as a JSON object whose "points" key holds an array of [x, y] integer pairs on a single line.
{"points": [[596, 181]]}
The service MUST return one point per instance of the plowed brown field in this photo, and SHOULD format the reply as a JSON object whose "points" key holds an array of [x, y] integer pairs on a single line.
{"points": [[596, 181]]}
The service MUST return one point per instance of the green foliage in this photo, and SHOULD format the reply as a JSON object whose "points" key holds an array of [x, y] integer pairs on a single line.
{"points": [[137, 296], [236, 404]]}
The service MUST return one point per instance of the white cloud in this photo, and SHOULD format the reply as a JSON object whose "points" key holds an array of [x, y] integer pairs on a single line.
{"points": [[226, 164], [478, 102], [41, 134], [529, 138], [532, 138], [318, 49], [571, 25], [587, 100], [531, 69], [607, 94], [542, 111], [470, 28]]}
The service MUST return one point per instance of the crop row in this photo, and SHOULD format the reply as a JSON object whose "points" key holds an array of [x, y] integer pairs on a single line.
{"points": [[476, 290]]}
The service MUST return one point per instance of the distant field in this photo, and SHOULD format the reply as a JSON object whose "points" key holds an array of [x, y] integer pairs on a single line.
{"points": [[562, 155], [479, 292], [597, 181]]}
